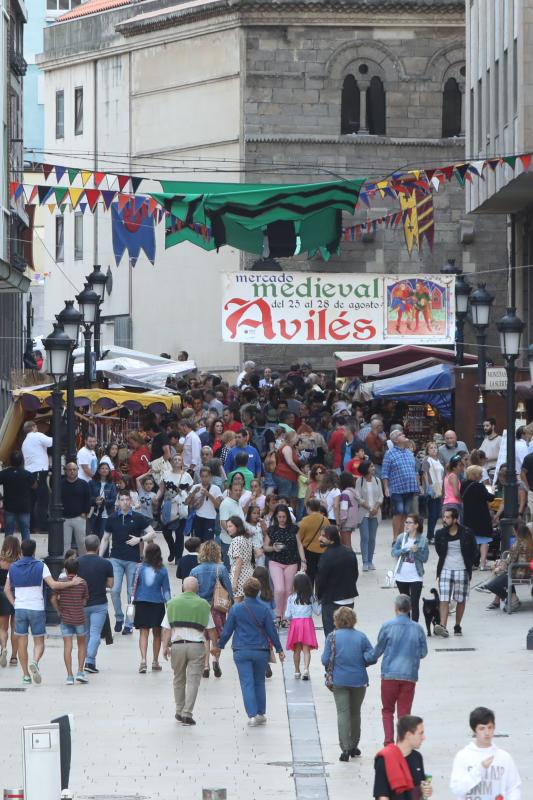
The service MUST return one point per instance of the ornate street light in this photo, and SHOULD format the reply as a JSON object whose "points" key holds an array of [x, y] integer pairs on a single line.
{"points": [[97, 282], [88, 302], [462, 292], [480, 304], [70, 318]]}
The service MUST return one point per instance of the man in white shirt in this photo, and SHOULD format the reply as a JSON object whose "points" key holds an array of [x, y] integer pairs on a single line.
{"points": [[242, 377], [86, 459], [192, 446], [491, 443], [204, 498], [35, 451]]}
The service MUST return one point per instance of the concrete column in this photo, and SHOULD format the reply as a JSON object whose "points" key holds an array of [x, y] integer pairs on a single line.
{"points": [[363, 86]]}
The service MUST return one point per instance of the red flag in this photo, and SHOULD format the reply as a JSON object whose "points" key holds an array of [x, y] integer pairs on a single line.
{"points": [[32, 195], [122, 200], [47, 169], [447, 171], [13, 186], [98, 178], [526, 161], [92, 196], [122, 181]]}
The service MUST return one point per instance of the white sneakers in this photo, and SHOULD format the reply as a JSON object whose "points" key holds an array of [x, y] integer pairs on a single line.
{"points": [[260, 719]]}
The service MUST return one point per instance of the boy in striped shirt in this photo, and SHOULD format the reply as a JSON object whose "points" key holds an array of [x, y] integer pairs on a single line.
{"points": [[70, 604]]}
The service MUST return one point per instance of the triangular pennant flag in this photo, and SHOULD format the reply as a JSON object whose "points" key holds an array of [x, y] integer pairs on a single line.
{"points": [[526, 161], [51, 207], [122, 181], [477, 168], [430, 173], [122, 200], [60, 195], [108, 198], [493, 162], [75, 195], [111, 181], [152, 205], [364, 198], [510, 161], [460, 172], [468, 177], [416, 173], [19, 191], [32, 195], [72, 175], [13, 186], [98, 178], [435, 183], [447, 171], [62, 208], [85, 175], [60, 171], [92, 196], [135, 183], [82, 207], [47, 169], [44, 193]]}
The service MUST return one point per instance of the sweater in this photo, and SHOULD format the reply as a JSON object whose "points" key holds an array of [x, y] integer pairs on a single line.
{"points": [[470, 779], [188, 611]]}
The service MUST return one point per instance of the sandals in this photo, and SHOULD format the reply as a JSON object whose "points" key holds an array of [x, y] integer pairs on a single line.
{"points": [[156, 666], [142, 668], [216, 669], [205, 673], [13, 662]]}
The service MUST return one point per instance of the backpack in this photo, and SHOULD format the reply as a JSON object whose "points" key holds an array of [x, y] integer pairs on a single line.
{"points": [[258, 441], [350, 516]]}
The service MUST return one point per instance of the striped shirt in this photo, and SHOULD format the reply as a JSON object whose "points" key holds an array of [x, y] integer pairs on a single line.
{"points": [[399, 468], [72, 602]]}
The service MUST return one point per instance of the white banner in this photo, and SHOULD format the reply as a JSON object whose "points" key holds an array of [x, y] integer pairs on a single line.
{"points": [[335, 308]]}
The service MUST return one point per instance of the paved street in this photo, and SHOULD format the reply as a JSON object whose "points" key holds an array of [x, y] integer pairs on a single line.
{"points": [[128, 745]]}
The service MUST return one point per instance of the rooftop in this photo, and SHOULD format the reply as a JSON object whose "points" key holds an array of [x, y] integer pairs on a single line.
{"points": [[92, 7]]}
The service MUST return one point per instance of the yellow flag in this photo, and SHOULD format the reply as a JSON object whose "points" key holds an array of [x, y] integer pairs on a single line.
{"points": [[419, 222], [75, 195], [51, 207], [85, 175]]}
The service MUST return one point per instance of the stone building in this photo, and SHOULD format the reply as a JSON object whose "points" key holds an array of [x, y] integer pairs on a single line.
{"points": [[294, 91]]}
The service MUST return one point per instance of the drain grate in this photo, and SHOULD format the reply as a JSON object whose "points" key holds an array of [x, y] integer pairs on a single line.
{"points": [[14, 689], [455, 649]]}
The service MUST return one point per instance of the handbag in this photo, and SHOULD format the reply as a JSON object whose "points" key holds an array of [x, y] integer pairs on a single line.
{"points": [[390, 578], [221, 598], [271, 653], [328, 676], [130, 611]]}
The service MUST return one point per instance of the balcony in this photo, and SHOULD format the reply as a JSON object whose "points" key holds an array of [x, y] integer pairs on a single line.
{"points": [[18, 63]]}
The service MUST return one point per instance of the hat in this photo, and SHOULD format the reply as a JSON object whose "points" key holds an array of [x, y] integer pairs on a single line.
{"points": [[340, 409]]}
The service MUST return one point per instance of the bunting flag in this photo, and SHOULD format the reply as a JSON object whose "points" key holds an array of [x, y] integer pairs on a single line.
{"points": [[420, 221], [85, 175], [133, 230]]}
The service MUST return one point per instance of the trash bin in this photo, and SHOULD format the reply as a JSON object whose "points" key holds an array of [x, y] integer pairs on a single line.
{"points": [[41, 762]]}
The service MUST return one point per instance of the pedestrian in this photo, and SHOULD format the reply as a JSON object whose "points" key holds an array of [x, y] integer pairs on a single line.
{"points": [[86, 459], [369, 494], [189, 561], [126, 530], [111, 458], [476, 511], [138, 459], [402, 643], [432, 483], [399, 768], [18, 486], [209, 572], [336, 581], [491, 443], [252, 628], [10, 553], [173, 492], [451, 447], [452, 484], [187, 617], [328, 493], [521, 551], [285, 553], [159, 444], [24, 590], [70, 602], [287, 468], [35, 452], [481, 770], [457, 551], [252, 461], [76, 501], [97, 573], [258, 528], [411, 550], [347, 652], [192, 445], [151, 590], [204, 499], [240, 554], [348, 508], [301, 605], [230, 507], [309, 533], [147, 492], [103, 497], [400, 479]]}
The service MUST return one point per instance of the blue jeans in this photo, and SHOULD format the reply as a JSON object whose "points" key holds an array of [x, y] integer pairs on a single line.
{"points": [[94, 622], [224, 549], [121, 567], [285, 488], [12, 519], [434, 506], [251, 666], [367, 529]]}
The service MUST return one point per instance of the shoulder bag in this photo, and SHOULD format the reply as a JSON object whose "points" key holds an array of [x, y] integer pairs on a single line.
{"points": [[271, 653], [130, 611], [390, 578], [221, 599], [328, 676]]}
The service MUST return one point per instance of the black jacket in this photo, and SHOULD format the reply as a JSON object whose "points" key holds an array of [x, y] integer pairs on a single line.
{"points": [[337, 574], [476, 499], [469, 548]]}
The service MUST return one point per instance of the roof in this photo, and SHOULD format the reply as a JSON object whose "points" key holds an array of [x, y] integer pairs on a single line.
{"points": [[92, 7], [397, 356]]}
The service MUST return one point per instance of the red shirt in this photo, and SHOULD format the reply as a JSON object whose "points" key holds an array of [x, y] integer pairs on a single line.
{"points": [[139, 462], [72, 603], [353, 467], [335, 444], [234, 426]]}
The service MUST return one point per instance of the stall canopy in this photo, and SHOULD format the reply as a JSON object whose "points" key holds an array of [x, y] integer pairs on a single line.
{"points": [[272, 220], [33, 400], [395, 357], [433, 385]]}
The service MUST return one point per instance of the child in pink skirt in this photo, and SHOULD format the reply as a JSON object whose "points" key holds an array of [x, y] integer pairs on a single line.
{"points": [[301, 606]]}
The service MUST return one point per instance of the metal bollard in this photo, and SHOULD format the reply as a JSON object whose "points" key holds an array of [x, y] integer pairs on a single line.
{"points": [[13, 794], [214, 794]]}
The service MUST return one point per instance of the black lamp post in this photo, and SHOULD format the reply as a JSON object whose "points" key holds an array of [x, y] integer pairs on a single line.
{"points": [[510, 328], [70, 319], [88, 303], [462, 292], [480, 304], [58, 347], [97, 282]]}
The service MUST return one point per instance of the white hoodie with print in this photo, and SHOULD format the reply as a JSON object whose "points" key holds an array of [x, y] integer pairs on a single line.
{"points": [[471, 781]]}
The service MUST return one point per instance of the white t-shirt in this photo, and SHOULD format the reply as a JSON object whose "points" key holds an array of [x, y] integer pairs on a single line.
{"points": [[207, 510], [34, 449], [328, 499], [229, 508], [86, 458], [31, 598]]}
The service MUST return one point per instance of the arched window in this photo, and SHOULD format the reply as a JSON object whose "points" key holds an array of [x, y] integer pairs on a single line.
{"points": [[375, 107], [350, 106], [451, 109]]}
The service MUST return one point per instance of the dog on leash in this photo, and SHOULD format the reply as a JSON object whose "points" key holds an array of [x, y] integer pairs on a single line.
{"points": [[431, 611]]}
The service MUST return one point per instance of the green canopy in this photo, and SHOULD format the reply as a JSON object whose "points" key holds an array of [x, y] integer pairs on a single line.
{"points": [[273, 220]]}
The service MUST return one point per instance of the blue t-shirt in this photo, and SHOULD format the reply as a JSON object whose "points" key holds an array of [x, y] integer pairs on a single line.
{"points": [[121, 527], [95, 571]]}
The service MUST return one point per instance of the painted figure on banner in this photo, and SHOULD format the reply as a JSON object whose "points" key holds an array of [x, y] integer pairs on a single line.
{"points": [[133, 230], [416, 306]]}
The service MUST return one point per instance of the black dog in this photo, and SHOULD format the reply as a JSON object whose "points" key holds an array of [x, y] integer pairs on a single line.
{"points": [[431, 611]]}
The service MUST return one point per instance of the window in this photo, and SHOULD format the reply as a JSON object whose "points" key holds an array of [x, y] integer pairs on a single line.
{"points": [[78, 237], [60, 240], [350, 106], [61, 5], [60, 115], [505, 88], [451, 109], [496, 98], [375, 107], [78, 111]]}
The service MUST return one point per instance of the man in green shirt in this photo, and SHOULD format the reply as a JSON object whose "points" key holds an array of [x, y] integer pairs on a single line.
{"points": [[241, 462]]}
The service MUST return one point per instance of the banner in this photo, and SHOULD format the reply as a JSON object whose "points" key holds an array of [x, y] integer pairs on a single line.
{"points": [[337, 308]]}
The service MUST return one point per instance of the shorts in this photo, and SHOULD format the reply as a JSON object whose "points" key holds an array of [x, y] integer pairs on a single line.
{"points": [[72, 630], [454, 584], [402, 503], [26, 619]]}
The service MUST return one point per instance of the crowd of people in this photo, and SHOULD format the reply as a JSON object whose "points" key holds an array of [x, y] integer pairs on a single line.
{"points": [[258, 490]]}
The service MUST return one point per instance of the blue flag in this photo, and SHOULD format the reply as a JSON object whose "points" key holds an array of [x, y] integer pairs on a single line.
{"points": [[133, 230]]}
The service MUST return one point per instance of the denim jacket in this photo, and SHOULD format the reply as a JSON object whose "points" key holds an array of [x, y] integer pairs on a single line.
{"points": [[353, 652], [206, 574], [402, 643], [251, 625], [152, 585], [110, 496], [421, 555]]}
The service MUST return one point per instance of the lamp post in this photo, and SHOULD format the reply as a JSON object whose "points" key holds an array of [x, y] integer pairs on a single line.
{"points": [[510, 328], [58, 346], [88, 303], [480, 304], [462, 292], [70, 319], [97, 282]]}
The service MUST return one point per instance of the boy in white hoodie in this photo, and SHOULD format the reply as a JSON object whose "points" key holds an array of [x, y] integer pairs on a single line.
{"points": [[481, 771]]}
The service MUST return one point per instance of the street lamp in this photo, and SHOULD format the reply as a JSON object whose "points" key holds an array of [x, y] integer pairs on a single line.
{"points": [[70, 319], [510, 328], [58, 346], [530, 361], [480, 304], [97, 282], [462, 291], [88, 302]]}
